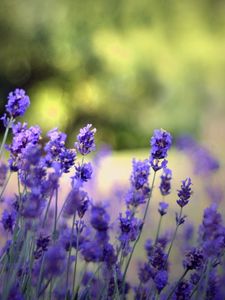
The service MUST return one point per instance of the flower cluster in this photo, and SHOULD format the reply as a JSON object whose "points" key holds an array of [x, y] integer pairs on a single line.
{"points": [[160, 144], [56, 247]]}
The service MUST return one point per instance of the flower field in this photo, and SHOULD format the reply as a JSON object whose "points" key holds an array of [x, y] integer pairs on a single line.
{"points": [[87, 223]]}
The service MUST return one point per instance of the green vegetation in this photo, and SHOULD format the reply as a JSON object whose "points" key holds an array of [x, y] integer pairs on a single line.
{"points": [[126, 66]]}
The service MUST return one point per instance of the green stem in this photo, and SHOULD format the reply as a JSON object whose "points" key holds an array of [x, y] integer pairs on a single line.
{"points": [[139, 235], [40, 275], [5, 136], [208, 269], [56, 212], [5, 185], [69, 255], [174, 289], [50, 290], [47, 209], [158, 229], [174, 235], [76, 255]]}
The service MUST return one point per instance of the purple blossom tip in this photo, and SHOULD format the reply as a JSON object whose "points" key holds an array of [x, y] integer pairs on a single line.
{"points": [[18, 102], [85, 140]]}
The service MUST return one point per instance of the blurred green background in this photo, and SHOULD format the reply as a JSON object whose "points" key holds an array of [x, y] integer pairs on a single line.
{"points": [[125, 66]]}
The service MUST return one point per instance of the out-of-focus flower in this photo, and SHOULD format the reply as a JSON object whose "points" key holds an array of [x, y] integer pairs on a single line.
{"points": [[194, 259], [161, 280], [3, 173], [163, 206], [55, 259], [212, 232], [183, 290], [75, 201], [8, 220]]}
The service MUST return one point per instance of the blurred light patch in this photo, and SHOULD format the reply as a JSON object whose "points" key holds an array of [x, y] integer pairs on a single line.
{"points": [[49, 107], [87, 94]]}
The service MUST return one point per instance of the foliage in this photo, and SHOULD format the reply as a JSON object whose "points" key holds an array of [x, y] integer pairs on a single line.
{"points": [[127, 66]]}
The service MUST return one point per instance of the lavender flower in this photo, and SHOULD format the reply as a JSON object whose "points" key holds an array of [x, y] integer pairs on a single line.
{"points": [[56, 143], [165, 184], [194, 259], [85, 140], [140, 174], [203, 161], [99, 218], [42, 244], [212, 232], [75, 201], [8, 220], [18, 102], [66, 159], [160, 143], [183, 290], [83, 172], [184, 193], [32, 205], [109, 256], [158, 258], [22, 137], [145, 273], [163, 206], [161, 280], [54, 261], [57, 152], [91, 251], [3, 173], [137, 197], [139, 191]]}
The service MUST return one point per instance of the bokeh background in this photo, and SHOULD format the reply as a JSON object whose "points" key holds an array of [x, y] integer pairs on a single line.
{"points": [[125, 66]]}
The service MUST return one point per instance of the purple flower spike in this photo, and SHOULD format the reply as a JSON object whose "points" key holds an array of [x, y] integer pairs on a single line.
{"points": [[184, 193], [194, 259], [163, 206], [165, 184], [85, 140], [83, 172], [160, 143], [140, 173], [161, 280], [8, 220], [18, 102]]}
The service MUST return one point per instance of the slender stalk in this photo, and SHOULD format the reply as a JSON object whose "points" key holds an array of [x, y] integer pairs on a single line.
{"points": [[44, 287], [174, 235], [40, 275], [158, 229], [116, 292], [175, 287], [208, 269], [56, 212], [139, 235], [69, 255], [50, 290], [61, 210], [5, 136], [5, 185], [47, 209], [75, 264]]}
